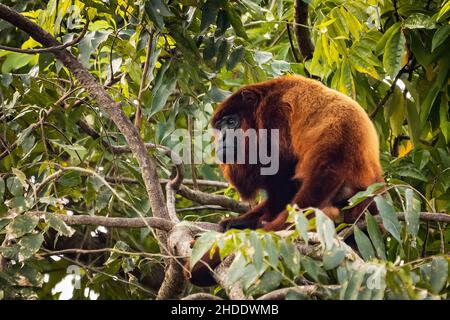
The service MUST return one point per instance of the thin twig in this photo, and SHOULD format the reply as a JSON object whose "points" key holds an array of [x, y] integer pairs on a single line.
{"points": [[389, 92], [142, 86], [294, 53], [53, 48]]}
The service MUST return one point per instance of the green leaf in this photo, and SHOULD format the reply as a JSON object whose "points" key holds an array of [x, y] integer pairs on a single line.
{"points": [[381, 45], [333, 258], [209, 13], [236, 269], [412, 212], [256, 243], [249, 276], [438, 83], [202, 245], [163, 93], [235, 57], [77, 152], [362, 66], [271, 250], [325, 230], [29, 245], [14, 186], [419, 21], [222, 53], [395, 110], [210, 49], [235, 20], [364, 245], [2, 189], [16, 61], [156, 10], [59, 225], [414, 127], [389, 217], [410, 172], [363, 195], [376, 236], [443, 12], [302, 224], [269, 281], [440, 36], [19, 203], [290, 256], [346, 81], [439, 273], [262, 57], [70, 179], [353, 288], [393, 54], [22, 225], [89, 44], [443, 119], [313, 269]]}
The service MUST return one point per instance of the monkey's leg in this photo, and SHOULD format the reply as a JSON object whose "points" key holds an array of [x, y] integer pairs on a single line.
{"points": [[248, 220], [319, 186]]}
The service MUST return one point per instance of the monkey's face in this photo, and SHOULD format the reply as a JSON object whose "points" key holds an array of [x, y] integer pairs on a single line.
{"points": [[234, 127], [225, 129]]}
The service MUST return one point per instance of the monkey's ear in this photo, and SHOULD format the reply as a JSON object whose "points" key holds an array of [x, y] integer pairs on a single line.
{"points": [[250, 97]]}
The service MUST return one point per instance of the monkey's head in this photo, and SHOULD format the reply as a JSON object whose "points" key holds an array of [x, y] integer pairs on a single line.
{"points": [[238, 111], [232, 121], [235, 123]]}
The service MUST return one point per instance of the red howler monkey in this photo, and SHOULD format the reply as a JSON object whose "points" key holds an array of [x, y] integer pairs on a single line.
{"points": [[328, 151]]}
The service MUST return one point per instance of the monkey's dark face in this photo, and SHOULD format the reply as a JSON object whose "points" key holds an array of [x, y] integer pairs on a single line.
{"points": [[225, 127], [228, 122], [232, 120]]}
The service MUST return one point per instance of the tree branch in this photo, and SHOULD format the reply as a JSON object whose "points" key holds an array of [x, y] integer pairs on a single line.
{"points": [[111, 222], [213, 199], [302, 31], [389, 92], [53, 48], [142, 86]]}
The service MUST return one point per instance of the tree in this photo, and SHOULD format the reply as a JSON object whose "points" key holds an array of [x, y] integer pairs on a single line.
{"points": [[93, 96]]}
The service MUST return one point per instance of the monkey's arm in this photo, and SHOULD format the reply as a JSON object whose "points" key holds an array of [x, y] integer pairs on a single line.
{"points": [[249, 220]]}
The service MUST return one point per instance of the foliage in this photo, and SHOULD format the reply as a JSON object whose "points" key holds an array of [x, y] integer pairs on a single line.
{"points": [[200, 51]]}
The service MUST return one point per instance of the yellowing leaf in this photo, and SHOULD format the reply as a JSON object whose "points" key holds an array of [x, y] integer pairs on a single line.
{"points": [[405, 148]]}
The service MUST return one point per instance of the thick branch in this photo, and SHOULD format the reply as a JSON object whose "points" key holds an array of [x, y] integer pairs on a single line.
{"points": [[213, 199], [112, 222], [302, 30]]}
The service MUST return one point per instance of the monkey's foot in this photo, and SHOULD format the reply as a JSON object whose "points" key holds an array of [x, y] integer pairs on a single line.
{"points": [[236, 223]]}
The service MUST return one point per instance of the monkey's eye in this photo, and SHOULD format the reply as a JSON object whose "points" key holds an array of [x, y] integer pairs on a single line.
{"points": [[231, 121]]}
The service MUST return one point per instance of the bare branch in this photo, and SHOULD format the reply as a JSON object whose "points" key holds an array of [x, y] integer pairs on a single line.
{"points": [[53, 48], [111, 222], [213, 199], [142, 86], [301, 31]]}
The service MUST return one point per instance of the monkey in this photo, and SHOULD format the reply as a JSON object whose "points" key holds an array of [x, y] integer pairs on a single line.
{"points": [[328, 151]]}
